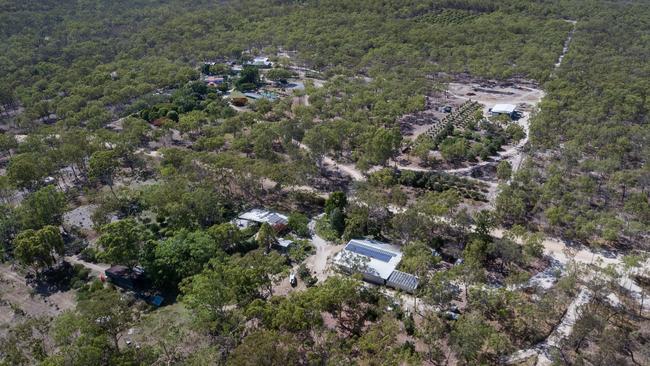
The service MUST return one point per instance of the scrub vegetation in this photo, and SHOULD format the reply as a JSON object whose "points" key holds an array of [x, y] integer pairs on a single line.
{"points": [[134, 134]]}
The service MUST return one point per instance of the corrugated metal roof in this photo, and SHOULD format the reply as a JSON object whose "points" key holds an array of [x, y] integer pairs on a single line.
{"points": [[253, 95], [262, 216], [403, 281], [284, 242]]}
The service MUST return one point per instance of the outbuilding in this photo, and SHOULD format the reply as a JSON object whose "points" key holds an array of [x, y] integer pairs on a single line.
{"points": [[238, 99], [127, 278], [133, 279], [262, 62], [283, 245], [504, 109]]}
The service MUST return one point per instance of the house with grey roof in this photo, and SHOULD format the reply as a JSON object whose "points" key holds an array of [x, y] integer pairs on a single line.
{"points": [[260, 216], [376, 262]]}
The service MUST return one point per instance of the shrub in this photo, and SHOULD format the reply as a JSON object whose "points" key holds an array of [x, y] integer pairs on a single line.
{"points": [[409, 324], [299, 224], [305, 275], [300, 250], [325, 231], [337, 221], [89, 255]]}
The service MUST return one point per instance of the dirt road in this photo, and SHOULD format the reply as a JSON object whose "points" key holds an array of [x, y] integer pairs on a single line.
{"points": [[96, 268], [348, 169], [561, 331], [318, 262], [567, 43]]}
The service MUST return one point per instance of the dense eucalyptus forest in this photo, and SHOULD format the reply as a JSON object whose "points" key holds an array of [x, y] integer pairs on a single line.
{"points": [[134, 134]]}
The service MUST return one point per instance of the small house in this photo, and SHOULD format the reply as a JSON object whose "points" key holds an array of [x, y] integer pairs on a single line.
{"points": [[278, 221]]}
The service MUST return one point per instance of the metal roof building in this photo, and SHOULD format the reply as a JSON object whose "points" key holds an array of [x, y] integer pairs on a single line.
{"points": [[377, 262], [508, 109], [261, 61], [284, 243], [403, 281], [278, 221], [128, 278]]}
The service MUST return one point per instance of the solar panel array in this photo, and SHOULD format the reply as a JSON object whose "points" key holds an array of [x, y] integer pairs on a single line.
{"points": [[374, 253]]}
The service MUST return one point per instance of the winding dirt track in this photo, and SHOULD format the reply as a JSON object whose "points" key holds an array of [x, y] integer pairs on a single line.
{"points": [[557, 249], [97, 269], [563, 254]]}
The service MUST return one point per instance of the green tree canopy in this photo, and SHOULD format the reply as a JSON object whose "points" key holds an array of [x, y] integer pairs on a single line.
{"points": [[279, 75], [335, 200], [39, 248], [266, 237], [103, 166], [181, 256], [43, 207], [28, 169], [299, 224], [91, 333], [504, 170], [122, 242], [249, 78]]}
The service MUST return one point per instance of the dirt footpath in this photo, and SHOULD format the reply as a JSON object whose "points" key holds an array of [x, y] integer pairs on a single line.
{"points": [[96, 269]]}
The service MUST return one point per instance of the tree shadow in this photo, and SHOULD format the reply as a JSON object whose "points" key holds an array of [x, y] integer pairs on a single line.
{"points": [[59, 278]]}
